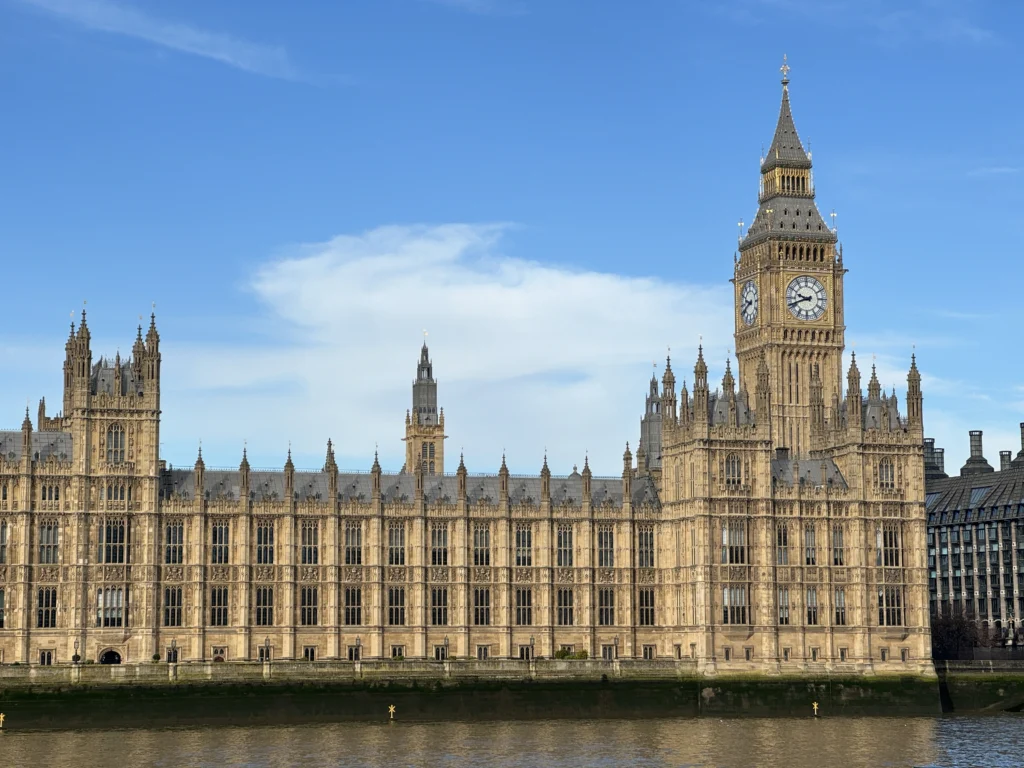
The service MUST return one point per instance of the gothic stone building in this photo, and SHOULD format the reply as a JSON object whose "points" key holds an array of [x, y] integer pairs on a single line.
{"points": [[774, 524]]}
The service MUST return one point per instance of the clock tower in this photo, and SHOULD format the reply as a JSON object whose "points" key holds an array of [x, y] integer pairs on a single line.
{"points": [[788, 283]]}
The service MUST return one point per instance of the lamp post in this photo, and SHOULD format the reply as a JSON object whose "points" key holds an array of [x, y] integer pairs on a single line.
{"points": [[174, 651], [446, 647], [266, 650], [616, 646], [358, 652], [76, 656], [532, 657]]}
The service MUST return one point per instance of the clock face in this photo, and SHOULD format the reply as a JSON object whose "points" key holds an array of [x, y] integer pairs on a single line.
{"points": [[806, 298], [748, 302]]}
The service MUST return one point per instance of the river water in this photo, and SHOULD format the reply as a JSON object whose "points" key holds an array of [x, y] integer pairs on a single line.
{"points": [[991, 742]]}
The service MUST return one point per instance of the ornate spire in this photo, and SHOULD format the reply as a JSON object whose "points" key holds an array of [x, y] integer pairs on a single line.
{"points": [[26, 424], [83, 329], [462, 463], [288, 465], [874, 388], [700, 370], [200, 464], [786, 149], [376, 463], [244, 466], [728, 383]]}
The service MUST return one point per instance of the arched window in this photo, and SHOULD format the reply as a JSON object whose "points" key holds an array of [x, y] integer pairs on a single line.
{"points": [[425, 447], [431, 450], [115, 444], [886, 474], [733, 470]]}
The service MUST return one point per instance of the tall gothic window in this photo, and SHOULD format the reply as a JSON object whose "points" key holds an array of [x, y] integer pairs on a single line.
{"points": [[1, 608], [396, 606], [524, 607], [353, 606], [172, 607], [482, 607], [782, 544], [110, 607], [481, 544], [840, 607], [838, 548], [890, 606], [174, 542], [49, 542], [891, 544], [265, 542], [113, 541], [219, 552], [886, 474], [564, 545], [810, 546], [606, 607], [734, 542], [645, 546], [439, 606], [733, 470], [46, 608], [564, 612], [264, 606], [309, 533], [396, 545], [219, 607], [812, 606], [439, 544], [115, 444], [309, 606], [524, 544], [734, 604], [647, 607], [3, 542], [783, 606], [353, 542], [606, 546]]}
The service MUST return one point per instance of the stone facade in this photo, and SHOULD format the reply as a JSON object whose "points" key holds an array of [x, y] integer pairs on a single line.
{"points": [[780, 531]]}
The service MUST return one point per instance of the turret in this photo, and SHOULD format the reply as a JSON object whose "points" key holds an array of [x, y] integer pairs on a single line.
{"points": [[200, 473], [627, 475], [26, 437], [915, 407], [700, 388], [817, 401], [461, 474], [77, 366], [503, 481], [762, 393], [853, 393], [874, 388], [243, 475], [151, 364], [668, 393], [331, 468], [587, 477], [545, 480], [375, 475]]}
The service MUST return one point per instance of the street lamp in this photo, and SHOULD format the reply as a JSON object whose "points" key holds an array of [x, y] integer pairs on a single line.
{"points": [[76, 656], [266, 651], [174, 650], [616, 646], [446, 647], [358, 643], [531, 648]]}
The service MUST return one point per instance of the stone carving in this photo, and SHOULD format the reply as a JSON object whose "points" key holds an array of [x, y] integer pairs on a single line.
{"points": [[439, 574], [839, 574], [737, 573], [310, 573], [49, 573], [353, 574], [3, 573], [810, 574], [264, 573], [524, 575], [113, 573], [606, 576], [220, 573], [564, 576], [174, 573], [645, 575], [893, 576], [481, 574], [396, 574]]}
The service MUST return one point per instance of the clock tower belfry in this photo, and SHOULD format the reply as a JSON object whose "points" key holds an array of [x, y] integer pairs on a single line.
{"points": [[788, 283]]}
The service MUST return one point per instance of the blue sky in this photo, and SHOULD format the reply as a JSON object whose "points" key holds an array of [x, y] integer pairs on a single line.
{"points": [[551, 189]]}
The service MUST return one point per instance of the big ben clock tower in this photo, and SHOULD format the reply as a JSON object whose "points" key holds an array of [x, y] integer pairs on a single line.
{"points": [[789, 288]]}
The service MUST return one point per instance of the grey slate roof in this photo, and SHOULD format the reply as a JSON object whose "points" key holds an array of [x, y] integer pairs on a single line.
{"points": [[966, 499], [790, 217], [718, 409], [814, 472], [786, 149], [104, 378], [43, 445]]}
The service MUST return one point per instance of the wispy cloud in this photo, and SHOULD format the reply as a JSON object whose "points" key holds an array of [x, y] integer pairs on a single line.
{"points": [[485, 7], [120, 19], [528, 355], [995, 170]]}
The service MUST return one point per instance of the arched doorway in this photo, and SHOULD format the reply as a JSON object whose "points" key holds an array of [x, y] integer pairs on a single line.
{"points": [[110, 657]]}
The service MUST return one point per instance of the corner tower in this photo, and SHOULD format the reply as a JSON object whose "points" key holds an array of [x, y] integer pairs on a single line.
{"points": [[424, 424], [788, 284]]}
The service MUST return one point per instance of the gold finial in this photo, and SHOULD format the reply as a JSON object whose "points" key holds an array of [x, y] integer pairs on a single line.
{"points": [[784, 69], [424, 334]]}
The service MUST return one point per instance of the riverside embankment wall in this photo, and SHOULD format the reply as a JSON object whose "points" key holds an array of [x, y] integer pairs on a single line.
{"points": [[93, 695]]}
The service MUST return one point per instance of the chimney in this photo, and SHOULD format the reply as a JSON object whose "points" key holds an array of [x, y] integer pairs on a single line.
{"points": [[976, 464], [940, 460], [933, 461], [782, 454], [1005, 457]]}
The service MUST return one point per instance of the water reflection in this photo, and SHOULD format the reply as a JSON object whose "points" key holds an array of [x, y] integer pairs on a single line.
{"points": [[792, 743]]}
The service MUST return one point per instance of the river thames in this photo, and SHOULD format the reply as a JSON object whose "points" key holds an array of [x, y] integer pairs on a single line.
{"points": [[992, 742]]}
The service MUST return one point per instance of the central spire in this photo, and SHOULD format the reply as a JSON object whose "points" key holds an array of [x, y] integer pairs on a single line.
{"points": [[786, 149]]}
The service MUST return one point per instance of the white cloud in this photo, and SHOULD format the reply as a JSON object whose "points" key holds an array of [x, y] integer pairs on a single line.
{"points": [[121, 19], [527, 355]]}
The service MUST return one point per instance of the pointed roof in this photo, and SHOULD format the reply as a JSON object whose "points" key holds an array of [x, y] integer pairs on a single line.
{"points": [[786, 150]]}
